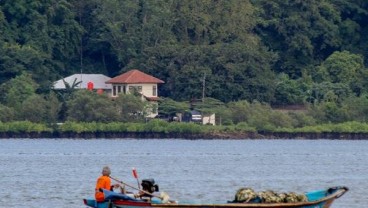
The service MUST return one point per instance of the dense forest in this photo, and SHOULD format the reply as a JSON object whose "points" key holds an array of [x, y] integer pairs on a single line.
{"points": [[240, 54]]}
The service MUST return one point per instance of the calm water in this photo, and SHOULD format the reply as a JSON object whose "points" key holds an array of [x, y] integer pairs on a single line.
{"points": [[59, 173]]}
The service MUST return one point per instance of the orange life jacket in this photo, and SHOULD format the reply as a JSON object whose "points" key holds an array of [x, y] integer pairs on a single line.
{"points": [[103, 182]]}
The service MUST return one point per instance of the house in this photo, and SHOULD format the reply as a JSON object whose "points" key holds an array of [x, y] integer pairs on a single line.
{"points": [[137, 81], [88, 81]]}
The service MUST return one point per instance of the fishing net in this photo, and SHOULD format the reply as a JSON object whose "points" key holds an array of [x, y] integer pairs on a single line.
{"points": [[246, 195]]}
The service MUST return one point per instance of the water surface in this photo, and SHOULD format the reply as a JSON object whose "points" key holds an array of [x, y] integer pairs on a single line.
{"points": [[61, 172]]}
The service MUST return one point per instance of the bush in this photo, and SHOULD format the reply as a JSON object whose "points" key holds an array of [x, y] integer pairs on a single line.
{"points": [[279, 120], [88, 106], [4, 127], [243, 127], [23, 126], [185, 128], [6, 114], [135, 127], [329, 112], [301, 119], [357, 108], [156, 125], [115, 127], [71, 126]]}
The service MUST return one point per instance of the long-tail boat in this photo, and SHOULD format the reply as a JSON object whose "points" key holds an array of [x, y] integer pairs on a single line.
{"points": [[315, 199]]}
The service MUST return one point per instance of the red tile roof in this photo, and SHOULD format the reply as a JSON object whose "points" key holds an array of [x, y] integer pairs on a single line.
{"points": [[134, 77]]}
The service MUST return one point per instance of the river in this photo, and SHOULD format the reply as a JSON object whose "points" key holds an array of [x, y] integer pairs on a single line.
{"points": [[61, 172]]}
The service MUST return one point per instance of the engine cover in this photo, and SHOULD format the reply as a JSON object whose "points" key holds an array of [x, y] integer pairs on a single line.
{"points": [[149, 185]]}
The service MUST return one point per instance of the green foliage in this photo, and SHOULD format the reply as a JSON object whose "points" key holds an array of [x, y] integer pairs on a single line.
{"points": [[233, 53], [67, 93], [289, 91], [343, 71], [223, 115], [301, 119], [6, 113], [208, 105], [183, 41], [280, 119], [86, 106], [130, 108], [191, 128], [18, 89], [23, 127], [329, 112], [357, 108], [180, 128], [239, 111], [115, 127], [255, 114], [89, 106], [302, 32], [156, 125], [346, 127], [168, 106], [43, 38], [329, 92], [350, 127], [135, 127], [352, 29], [341, 67], [71, 126], [17, 59], [244, 127], [35, 109]]}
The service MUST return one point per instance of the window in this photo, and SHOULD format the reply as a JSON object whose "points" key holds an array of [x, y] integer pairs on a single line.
{"points": [[119, 89], [114, 91], [154, 90], [133, 89]]}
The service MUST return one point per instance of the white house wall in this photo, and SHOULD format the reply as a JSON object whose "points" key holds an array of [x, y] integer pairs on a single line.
{"points": [[211, 119], [147, 89]]}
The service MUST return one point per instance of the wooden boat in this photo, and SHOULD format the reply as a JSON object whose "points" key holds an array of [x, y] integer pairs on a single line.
{"points": [[316, 199]]}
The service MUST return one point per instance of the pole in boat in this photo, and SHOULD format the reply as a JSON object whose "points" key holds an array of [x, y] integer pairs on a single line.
{"points": [[135, 174]]}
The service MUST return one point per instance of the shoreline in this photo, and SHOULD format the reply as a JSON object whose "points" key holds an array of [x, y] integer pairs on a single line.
{"points": [[187, 136]]}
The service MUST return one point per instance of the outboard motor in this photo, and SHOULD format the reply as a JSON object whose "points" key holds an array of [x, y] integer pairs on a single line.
{"points": [[149, 186]]}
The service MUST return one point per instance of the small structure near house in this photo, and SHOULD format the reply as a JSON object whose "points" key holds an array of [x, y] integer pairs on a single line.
{"points": [[197, 117], [192, 116], [209, 120], [88, 81]]}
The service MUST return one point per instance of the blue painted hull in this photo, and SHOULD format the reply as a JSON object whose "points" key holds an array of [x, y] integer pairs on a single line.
{"points": [[316, 199]]}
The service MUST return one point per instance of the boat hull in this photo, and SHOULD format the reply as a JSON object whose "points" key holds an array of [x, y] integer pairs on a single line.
{"points": [[318, 199]]}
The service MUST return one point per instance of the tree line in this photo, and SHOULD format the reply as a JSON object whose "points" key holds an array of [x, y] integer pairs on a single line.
{"points": [[272, 52]]}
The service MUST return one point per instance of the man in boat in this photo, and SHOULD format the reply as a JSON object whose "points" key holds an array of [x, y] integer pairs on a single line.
{"points": [[104, 182]]}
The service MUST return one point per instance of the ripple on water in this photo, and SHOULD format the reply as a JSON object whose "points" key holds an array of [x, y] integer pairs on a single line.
{"points": [[59, 173]]}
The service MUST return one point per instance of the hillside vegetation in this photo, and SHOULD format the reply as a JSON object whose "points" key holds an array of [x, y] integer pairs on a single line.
{"points": [[242, 56]]}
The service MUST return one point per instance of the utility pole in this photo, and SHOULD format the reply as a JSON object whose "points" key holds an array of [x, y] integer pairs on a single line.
{"points": [[81, 45], [203, 87]]}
